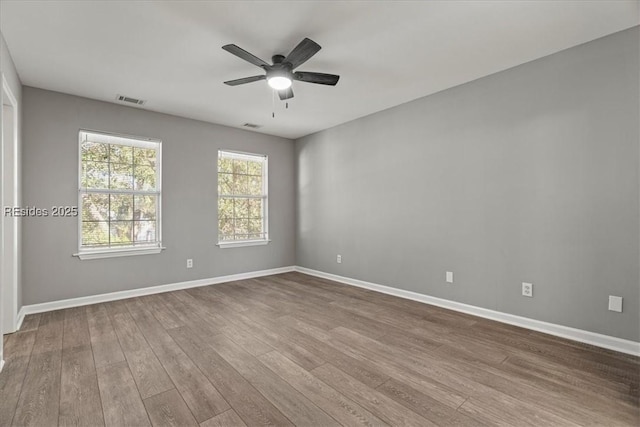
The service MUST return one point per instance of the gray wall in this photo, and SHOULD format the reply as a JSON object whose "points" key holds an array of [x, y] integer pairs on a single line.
{"points": [[189, 189], [530, 174]]}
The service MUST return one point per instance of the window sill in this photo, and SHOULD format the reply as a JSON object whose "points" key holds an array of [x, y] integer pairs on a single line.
{"points": [[229, 245], [113, 253]]}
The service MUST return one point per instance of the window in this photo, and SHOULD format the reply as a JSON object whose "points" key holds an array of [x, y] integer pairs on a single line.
{"points": [[119, 195], [242, 199]]}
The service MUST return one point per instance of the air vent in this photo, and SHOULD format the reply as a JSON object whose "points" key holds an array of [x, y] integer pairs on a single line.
{"points": [[251, 125], [130, 100]]}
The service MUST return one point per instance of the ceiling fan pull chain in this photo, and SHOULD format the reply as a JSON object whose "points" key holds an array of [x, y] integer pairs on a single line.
{"points": [[273, 104], [286, 105]]}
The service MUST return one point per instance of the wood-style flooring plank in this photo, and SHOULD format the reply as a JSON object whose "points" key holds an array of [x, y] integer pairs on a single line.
{"points": [[295, 406], [39, 401], [49, 332], [252, 406], [76, 328], [200, 395], [30, 322], [11, 381], [334, 403], [226, 419], [380, 405], [104, 341], [148, 373], [168, 409], [121, 401], [281, 342], [80, 403]]}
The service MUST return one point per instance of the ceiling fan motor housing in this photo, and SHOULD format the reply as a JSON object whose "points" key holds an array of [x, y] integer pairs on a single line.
{"points": [[279, 68]]}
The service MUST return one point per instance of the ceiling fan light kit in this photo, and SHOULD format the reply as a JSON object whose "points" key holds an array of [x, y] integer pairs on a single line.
{"points": [[280, 74]]}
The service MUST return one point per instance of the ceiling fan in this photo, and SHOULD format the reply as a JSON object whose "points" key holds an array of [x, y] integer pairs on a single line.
{"points": [[281, 74]]}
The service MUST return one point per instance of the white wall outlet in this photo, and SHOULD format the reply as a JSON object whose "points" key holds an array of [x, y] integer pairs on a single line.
{"points": [[527, 289], [189, 263], [339, 259], [615, 303], [449, 276]]}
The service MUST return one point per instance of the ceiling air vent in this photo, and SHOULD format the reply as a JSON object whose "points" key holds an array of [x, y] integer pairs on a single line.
{"points": [[130, 100], [251, 125]]}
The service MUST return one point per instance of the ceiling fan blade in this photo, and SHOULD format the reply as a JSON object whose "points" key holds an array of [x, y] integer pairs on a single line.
{"points": [[301, 53], [242, 81], [243, 54], [285, 94], [319, 78]]}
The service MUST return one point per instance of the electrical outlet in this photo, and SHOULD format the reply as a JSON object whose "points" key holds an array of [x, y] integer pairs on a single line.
{"points": [[527, 289], [449, 276], [615, 303], [189, 263], [339, 259]]}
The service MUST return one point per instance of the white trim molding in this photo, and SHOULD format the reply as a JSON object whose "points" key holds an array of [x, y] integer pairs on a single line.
{"points": [[599, 340], [114, 296], [1, 364]]}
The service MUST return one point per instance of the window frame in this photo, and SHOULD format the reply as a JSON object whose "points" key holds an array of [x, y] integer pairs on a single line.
{"points": [[121, 250], [265, 200]]}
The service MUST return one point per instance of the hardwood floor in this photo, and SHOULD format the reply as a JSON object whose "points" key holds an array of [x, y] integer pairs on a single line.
{"points": [[293, 349]]}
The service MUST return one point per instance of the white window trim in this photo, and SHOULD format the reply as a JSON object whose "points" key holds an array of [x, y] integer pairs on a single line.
{"points": [[239, 244], [265, 197], [113, 252]]}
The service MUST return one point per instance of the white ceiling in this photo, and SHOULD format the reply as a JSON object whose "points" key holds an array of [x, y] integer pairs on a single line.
{"points": [[387, 52]]}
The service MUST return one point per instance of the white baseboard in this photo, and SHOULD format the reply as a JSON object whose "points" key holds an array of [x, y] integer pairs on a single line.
{"points": [[599, 340], [114, 296]]}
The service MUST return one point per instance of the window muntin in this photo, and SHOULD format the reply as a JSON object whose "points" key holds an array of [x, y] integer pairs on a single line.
{"points": [[119, 193], [242, 197]]}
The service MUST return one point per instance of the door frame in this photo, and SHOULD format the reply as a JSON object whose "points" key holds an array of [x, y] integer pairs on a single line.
{"points": [[10, 242]]}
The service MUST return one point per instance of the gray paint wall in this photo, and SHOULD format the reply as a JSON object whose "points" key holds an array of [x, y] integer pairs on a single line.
{"points": [[530, 174], [189, 190]]}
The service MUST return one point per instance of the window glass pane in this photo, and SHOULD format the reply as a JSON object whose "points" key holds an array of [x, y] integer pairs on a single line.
{"points": [[121, 232], [144, 157], [121, 207], [242, 226], [145, 178], [241, 208], [255, 208], [95, 175], [254, 185], [240, 166], [241, 184], [95, 233], [225, 183], [145, 207], [255, 225], [255, 168], [94, 151], [225, 165], [121, 154], [121, 176], [225, 226], [95, 207], [225, 208], [144, 231]]}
